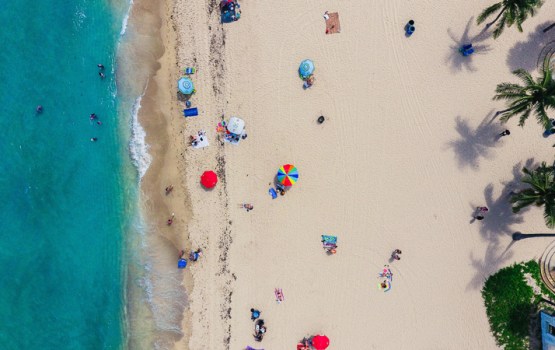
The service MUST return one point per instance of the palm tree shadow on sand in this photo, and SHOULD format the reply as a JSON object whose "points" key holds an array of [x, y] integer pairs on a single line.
{"points": [[527, 54], [498, 223], [455, 59], [474, 144]]}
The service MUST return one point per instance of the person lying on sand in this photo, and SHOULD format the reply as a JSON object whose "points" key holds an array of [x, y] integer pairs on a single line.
{"points": [[169, 189]]}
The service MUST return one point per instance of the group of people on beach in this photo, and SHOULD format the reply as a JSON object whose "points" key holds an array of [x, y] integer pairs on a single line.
{"points": [[259, 326], [194, 255]]}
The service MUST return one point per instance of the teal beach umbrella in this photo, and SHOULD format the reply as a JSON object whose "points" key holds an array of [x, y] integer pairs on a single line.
{"points": [[306, 69], [185, 85]]}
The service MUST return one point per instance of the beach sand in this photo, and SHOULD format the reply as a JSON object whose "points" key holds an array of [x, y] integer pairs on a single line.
{"points": [[407, 152]]}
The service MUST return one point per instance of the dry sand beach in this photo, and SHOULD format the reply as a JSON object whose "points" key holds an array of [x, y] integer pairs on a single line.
{"points": [[406, 153]]}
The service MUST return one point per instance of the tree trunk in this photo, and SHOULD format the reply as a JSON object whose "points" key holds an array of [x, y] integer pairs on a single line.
{"points": [[548, 28], [496, 18], [503, 111], [517, 236]]}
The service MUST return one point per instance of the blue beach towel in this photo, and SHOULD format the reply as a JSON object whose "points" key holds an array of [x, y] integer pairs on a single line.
{"points": [[190, 112], [272, 193], [329, 239]]}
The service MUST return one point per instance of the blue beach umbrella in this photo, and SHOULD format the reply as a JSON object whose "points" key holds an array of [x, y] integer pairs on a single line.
{"points": [[306, 69], [185, 85]]}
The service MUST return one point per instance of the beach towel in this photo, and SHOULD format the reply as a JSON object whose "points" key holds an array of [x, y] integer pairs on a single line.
{"points": [[232, 138], [279, 295], [201, 142], [332, 23], [329, 240], [190, 112], [272, 193], [386, 273]]}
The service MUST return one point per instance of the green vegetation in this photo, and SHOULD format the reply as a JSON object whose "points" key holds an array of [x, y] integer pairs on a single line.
{"points": [[541, 192], [512, 12], [533, 96], [511, 302]]}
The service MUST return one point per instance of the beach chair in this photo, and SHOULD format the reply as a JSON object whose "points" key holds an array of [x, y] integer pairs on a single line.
{"points": [[466, 50], [410, 28], [190, 70]]}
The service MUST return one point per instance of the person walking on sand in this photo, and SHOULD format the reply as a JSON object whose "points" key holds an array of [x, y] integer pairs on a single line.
{"points": [[170, 220], [480, 212], [396, 254], [248, 206], [169, 189], [505, 133]]}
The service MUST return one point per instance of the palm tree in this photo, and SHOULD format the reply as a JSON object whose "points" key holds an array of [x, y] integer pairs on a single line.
{"points": [[541, 192], [533, 96], [512, 11]]}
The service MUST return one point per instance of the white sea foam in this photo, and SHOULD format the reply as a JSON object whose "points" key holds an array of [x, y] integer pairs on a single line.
{"points": [[126, 19], [138, 148]]}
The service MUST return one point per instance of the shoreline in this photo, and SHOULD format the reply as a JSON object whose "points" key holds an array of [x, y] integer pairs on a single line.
{"points": [[157, 290]]}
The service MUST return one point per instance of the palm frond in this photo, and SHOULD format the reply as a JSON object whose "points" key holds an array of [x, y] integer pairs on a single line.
{"points": [[524, 76], [499, 27], [488, 12], [549, 214]]}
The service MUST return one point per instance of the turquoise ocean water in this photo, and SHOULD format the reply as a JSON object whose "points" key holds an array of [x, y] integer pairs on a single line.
{"points": [[65, 210]]}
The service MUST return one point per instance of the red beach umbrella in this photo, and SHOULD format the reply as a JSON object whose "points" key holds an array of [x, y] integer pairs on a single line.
{"points": [[209, 179], [320, 342]]}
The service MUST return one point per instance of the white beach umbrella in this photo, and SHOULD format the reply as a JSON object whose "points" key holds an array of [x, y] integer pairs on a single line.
{"points": [[236, 125]]}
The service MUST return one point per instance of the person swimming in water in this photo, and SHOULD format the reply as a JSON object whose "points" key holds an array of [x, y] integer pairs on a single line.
{"points": [[93, 139], [39, 109], [100, 65], [102, 76], [92, 116]]}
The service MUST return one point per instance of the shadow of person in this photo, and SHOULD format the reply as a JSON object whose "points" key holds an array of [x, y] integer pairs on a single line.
{"points": [[529, 53], [501, 218], [455, 59], [477, 143], [497, 224]]}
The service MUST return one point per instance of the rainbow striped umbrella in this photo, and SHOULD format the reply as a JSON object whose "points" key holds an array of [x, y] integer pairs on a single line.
{"points": [[287, 175]]}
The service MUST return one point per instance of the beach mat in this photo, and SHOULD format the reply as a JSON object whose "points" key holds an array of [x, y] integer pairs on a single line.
{"points": [[202, 142], [332, 23]]}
